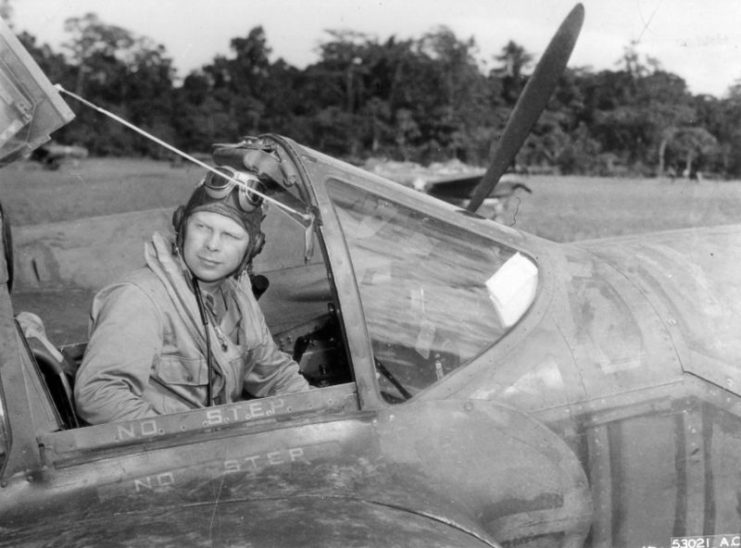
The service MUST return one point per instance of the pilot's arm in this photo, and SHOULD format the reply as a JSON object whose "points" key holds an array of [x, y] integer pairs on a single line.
{"points": [[270, 370], [126, 338]]}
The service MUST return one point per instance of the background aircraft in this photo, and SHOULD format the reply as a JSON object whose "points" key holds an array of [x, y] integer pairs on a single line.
{"points": [[476, 385], [52, 155], [458, 190], [456, 184]]}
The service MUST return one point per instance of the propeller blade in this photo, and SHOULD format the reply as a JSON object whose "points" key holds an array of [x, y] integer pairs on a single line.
{"points": [[531, 103]]}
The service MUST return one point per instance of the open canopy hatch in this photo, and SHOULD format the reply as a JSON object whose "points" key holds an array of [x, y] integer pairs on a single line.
{"points": [[30, 107]]}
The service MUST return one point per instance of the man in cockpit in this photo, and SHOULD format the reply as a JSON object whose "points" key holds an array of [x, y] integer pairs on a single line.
{"points": [[186, 331]]}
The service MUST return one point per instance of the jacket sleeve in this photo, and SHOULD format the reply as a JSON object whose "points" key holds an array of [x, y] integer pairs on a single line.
{"points": [[269, 371], [125, 339]]}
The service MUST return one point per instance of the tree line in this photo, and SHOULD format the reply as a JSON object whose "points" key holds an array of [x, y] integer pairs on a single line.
{"points": [[424, 99]]}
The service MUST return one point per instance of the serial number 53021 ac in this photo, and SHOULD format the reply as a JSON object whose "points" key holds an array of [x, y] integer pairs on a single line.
{"points": [[713, 541]]}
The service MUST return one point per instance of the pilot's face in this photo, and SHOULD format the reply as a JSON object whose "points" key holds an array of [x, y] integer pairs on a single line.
{"points": [[214, 246]]}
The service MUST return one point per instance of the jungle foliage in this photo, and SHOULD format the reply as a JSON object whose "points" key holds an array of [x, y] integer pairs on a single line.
{"points": [[425, 99]]}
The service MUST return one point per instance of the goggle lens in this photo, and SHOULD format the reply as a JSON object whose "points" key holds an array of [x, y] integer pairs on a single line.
{"points": [[219, 187]]}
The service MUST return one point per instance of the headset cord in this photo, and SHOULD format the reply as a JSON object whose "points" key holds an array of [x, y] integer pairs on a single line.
{"points": [[209, 357]]}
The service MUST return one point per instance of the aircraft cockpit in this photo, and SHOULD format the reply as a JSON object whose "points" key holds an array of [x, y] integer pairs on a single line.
{"points": [[376, 294], [432, 294], [350, 263]]}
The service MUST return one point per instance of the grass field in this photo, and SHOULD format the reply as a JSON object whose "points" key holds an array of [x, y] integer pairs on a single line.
{"points": [[560, 208], [33, 195], [575, 208]]}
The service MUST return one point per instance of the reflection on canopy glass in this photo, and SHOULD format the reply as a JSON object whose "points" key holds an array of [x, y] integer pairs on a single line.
{"points": [[430, 290]]}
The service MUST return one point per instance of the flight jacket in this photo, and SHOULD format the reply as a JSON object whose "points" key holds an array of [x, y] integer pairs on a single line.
{"points": [[147, 350]]}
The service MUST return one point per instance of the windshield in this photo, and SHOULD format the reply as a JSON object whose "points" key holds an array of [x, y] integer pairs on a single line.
{"points": [[434, 295]]}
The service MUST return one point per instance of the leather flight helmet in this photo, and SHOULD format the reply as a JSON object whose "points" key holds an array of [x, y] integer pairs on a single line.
{"points": [[219, 194]]}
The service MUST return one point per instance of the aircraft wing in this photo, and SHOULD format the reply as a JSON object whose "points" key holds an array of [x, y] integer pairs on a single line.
{"points": [[460, 187], [298, 521], [457, 186]]}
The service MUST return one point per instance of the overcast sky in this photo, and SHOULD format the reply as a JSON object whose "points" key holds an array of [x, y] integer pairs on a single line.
{"points": [[700, 40]]}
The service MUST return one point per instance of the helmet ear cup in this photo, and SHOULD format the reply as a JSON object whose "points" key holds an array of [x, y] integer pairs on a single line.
{"points": [[177, 218], [178, 222], [258, 245]]}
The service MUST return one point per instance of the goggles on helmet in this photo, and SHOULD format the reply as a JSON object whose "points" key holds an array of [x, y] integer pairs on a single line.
{"points": [[218, 187]]}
